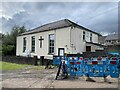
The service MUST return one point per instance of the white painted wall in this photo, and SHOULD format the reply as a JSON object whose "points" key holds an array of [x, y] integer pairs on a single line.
{"points": [[62, 37], [38, 51], [94, 38], [77, 40]]}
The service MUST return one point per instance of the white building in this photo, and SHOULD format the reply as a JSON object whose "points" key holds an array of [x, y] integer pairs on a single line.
{"points": [[112, 42], [47, 39]]}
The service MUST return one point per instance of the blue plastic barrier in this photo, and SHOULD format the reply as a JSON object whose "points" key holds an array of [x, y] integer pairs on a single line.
{"points": [[95, 67], [119, 65], [113, 67], [88, 68], [72, 63], [78, 68], [56, 60]]}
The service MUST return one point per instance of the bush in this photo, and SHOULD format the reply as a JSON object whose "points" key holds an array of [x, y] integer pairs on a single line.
{"points": [[9, 40], [8, 49]]}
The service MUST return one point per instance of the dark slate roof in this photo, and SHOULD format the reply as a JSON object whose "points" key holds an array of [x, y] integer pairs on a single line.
{"points": [[112, 37], [56, 25], [97, 44], [102, 38]]}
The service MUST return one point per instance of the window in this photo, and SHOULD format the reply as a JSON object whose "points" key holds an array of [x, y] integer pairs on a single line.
{"points": [[83, 35], [24, 44], [41, 39], [109, 41], [33, 44], [51, 43], [90, 37]]}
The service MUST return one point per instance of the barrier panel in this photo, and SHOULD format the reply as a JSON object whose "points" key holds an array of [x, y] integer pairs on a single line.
{"points": [[75, 64], [88, 68], [72, 63], [56, 60], [79, 67], [113, 67], [95, 67], [119, 65]]}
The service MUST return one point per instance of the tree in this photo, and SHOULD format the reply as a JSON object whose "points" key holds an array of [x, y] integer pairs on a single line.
{"points": [[9, 40]]}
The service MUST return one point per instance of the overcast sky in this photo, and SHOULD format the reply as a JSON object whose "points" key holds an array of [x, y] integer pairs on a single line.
{"points": [[101, 17]]}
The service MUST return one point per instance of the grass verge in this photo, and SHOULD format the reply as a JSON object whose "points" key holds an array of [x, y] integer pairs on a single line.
{"points": [[11, 66]]}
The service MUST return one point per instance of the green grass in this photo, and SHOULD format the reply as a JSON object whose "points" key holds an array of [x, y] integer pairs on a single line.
{"points": [[11, 66], [38, 67]]}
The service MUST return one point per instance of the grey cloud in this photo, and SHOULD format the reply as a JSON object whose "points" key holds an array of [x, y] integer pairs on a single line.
{"points": [[107, 22], [89, 14]]}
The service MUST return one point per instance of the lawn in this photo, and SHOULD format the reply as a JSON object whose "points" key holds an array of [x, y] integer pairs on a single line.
{"points": [[11, 66]]}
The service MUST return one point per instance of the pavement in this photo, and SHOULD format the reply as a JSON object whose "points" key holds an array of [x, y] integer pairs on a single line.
{"points": [[31, 78]]}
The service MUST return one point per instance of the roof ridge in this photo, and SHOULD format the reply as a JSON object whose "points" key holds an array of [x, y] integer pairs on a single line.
{"points": [[57, 24], [50, 23]]}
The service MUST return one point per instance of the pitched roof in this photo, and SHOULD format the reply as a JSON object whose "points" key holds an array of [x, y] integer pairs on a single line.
{"points": [[102, 38], [56, 25], [112, 37]]}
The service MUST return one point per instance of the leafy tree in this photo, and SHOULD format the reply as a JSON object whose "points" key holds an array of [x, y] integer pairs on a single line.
{"points": [[9, 40], [1, 36], [8, 49]]}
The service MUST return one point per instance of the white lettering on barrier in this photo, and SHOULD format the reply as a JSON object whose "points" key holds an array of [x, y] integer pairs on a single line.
{"points": [[89, 62], [100, 62]]}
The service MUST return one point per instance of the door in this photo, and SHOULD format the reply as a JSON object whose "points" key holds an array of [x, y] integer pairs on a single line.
{"points": [[88, 48], [61, 51]]}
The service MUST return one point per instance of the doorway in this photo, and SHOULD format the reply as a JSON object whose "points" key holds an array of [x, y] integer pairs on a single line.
{"points": [[88, 48], [61, 51]]}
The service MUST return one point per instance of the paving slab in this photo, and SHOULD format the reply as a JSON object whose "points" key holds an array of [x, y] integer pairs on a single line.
{"points": [[18, 82], [83, 84], [46, 79]]}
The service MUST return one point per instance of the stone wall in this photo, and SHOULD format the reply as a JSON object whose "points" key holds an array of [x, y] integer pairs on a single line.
{"points": [[25, 60]]}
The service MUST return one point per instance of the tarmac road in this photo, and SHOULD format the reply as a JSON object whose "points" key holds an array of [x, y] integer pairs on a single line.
{"points": [[30, 78]]}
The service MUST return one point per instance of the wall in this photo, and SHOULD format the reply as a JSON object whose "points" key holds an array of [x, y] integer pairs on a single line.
{"points": [[19, 60], [25, 60], [96, 54], [95, 38], [94, 47], [77, 40], [113, 48], [71, 39], [38, 51], [61, 40]]}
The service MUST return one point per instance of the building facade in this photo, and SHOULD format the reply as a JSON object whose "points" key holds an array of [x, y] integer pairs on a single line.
{"points": [[112, 42], [64, 34]]}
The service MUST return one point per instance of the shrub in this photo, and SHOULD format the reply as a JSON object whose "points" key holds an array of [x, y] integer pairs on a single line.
{"points": [[8, 49]]}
